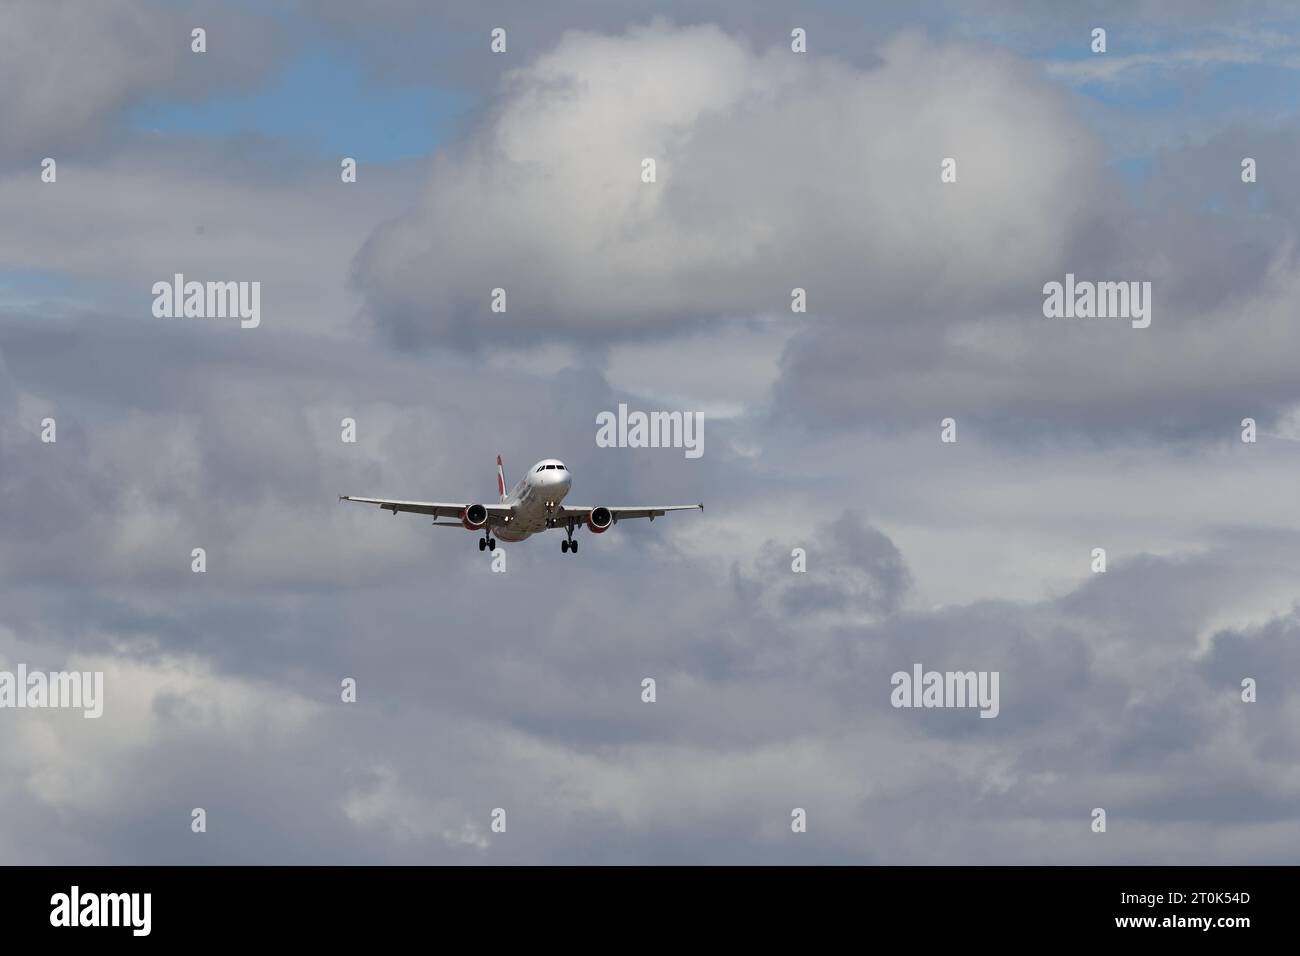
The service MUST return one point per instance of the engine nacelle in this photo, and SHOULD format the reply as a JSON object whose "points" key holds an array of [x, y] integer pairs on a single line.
{"points": [[599, 520], [474, 517]]}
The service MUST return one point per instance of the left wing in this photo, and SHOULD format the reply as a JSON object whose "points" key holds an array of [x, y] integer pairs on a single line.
{"points": [[580, 512], [438, 509]]}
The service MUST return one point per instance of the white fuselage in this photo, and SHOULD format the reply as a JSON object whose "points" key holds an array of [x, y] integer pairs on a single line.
{"points": [[534, 498]]}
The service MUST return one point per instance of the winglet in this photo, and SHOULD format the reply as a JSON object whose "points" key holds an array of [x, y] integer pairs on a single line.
{"points": [[501, 478]]}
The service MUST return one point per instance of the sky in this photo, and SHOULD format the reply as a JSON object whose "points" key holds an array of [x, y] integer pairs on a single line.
{"points": [[842, 541]]}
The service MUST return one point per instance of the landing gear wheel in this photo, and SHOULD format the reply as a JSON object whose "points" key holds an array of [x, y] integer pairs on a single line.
{"points": [[482, 544], [564, 546], [573, 546], [492, 544]]}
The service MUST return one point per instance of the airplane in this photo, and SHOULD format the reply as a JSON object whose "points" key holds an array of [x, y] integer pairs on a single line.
{"points": [[535, 504]]}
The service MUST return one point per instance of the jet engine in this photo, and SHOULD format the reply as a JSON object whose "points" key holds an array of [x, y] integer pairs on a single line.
{"points": [[599, 520], [474, 517]]}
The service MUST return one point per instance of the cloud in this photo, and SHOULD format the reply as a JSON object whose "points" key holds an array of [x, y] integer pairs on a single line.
{"points": [[864, 575], [141, 212], [522, 690], [772, 686], [70, 69], [774, 171], [1224, 274], [778, 171], [1111, 69]]}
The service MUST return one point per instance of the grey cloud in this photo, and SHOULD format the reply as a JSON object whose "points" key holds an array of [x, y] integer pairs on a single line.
{"points": [[926, 300], [774, 174], [72, 69], [862, 572], [536, 697], [1221, 257], [522, 689]]}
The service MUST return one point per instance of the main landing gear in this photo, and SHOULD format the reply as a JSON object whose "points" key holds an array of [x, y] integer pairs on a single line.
{"points": [[569, 544], [489, 544]]}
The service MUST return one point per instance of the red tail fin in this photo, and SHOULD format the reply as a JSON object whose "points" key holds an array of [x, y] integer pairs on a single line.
{"points": [[501, 479]]}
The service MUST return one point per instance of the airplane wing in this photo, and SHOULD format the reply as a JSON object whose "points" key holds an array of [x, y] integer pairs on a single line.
{"points": [[580, 512], [438, 509]]}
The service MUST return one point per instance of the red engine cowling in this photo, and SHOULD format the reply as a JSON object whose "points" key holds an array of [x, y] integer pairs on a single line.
{"points": [[474, 517], [599, 520]]}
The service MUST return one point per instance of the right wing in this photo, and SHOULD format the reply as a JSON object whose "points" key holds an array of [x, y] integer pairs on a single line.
{"points": [[437, 509], [619, 513]]}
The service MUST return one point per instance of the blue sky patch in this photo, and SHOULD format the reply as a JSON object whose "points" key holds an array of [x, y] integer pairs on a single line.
{"points": [[324, 101]]}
